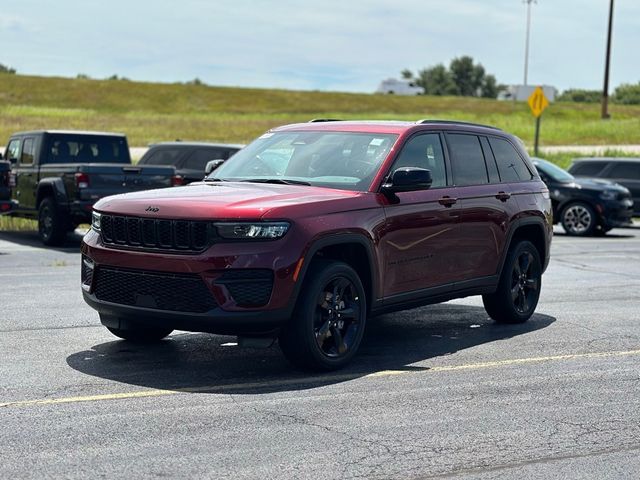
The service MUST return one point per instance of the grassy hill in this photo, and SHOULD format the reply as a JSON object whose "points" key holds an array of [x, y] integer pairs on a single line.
{"points": [[149, 112]]}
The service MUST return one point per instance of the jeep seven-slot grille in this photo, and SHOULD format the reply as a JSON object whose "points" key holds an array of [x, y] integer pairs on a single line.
{"points": [[158, 290], [157, 234]]}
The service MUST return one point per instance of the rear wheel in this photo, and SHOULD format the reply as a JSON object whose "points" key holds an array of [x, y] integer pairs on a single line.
{"points": [[578, 219], [518, 291], [328, 323], [51, 223]]}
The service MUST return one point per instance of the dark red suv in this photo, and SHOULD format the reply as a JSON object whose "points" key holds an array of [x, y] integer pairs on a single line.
{"points": [[314, 228]]}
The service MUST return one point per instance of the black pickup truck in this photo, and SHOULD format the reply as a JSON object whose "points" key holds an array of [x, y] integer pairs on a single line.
{"points": [[57, 176], [6, 205]]}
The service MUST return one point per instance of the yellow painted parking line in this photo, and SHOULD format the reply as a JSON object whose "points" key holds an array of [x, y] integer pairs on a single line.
{"points": [[319, 379]]}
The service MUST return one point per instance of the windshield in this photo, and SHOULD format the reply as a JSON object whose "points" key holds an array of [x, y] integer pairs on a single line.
{"points": [[553, 171], [344, 160], [73, 148]]}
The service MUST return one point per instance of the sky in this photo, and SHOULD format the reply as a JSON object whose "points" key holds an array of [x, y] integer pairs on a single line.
{"points": [[329, 45]]}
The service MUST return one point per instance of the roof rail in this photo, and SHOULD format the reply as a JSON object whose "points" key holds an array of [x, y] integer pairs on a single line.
{"points": [[455, 122], [316, 120]]}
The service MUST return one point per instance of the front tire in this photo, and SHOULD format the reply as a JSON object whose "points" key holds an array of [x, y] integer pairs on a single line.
{"points": [[518, 291], [328, 322], [51, 223], [578, 219]]}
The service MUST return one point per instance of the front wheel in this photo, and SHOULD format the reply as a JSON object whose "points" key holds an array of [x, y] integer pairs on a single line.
{"points": [[518, 291], [328, 322], [578, 219]]}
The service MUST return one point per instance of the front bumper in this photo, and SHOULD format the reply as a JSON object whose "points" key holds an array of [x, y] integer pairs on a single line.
{"points": [[224, 315], [616, 214]]}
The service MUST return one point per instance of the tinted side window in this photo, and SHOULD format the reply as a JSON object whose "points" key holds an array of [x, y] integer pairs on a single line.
{"points": [[424, 151], [510, 165], [13, 149], [163, 156], [467, 160], [199, 158], [27, 152], [587, 168], [628, 170]]}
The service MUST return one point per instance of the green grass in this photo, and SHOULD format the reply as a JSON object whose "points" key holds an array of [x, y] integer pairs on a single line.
{"points": [[150, 112]]}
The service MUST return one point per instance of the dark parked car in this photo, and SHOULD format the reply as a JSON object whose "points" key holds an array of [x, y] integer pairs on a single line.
{"points": [[585, 206], [189, 158], [625, 171], [313, 228]]}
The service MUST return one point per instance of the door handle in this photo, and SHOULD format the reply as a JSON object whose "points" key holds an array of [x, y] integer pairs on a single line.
{"points": [[447, 201], [504, 196]]}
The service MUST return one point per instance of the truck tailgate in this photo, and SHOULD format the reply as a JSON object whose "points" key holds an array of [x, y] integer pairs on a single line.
{"points": [[110, 179]]}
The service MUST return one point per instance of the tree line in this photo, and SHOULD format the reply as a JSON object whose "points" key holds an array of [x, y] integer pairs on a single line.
{"points": [[463, 77]]}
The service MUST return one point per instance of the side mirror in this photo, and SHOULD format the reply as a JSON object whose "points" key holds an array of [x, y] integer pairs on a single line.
{"points": [[408, 179], [0, 155], [212, 165]]}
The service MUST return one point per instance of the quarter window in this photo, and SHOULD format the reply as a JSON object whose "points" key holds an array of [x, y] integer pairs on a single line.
{"points": [[424, 151], [510, 164], [467, 161]]}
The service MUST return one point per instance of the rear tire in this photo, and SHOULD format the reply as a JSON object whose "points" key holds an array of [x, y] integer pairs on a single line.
{"points": [[578, 219], [51, 223], [328, 322], [518, 291], [141, 334]]}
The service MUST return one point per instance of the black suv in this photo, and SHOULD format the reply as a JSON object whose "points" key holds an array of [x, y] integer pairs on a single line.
{"points": [[585, 206], [189, 158], [625, 171]]}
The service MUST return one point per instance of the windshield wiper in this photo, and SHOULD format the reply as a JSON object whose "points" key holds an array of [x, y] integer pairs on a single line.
{"points": [[206, 179], [281, 181]]}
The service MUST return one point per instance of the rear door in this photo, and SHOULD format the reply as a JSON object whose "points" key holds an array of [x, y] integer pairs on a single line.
{"points": [[627, 173], [420, 232], [486, 205]]}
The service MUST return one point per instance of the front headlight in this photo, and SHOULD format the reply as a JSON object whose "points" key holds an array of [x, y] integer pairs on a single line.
{"points": [[95, 221], [609, 195], [248, 231]]}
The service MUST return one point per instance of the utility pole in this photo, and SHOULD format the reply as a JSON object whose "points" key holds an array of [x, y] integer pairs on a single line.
{"points": [[526, 45], [605, 89]]}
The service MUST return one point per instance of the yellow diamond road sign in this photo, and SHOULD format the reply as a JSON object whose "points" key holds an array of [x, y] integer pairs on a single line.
{"points": [[538, 102]]}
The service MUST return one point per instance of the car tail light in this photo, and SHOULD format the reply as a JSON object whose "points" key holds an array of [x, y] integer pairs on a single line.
{"points": [[82, 180], [5, 207], [177, 180]]}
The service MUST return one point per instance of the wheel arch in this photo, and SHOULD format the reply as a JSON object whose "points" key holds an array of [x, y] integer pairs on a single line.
{"points": [[533, 230], [51, 187], [353, 249]]}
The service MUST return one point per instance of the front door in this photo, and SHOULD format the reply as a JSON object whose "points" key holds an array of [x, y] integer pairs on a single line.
{"points": [[421, 226]]}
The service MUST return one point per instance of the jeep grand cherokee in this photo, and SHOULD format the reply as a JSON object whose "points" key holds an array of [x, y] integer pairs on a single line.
{"points": [[314, 228]]}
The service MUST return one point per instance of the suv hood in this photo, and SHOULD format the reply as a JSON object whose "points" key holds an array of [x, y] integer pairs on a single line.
{"points": [[222, 200]]}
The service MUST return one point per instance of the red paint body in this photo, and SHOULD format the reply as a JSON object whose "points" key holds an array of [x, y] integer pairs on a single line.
{"points": [[419, 250]]}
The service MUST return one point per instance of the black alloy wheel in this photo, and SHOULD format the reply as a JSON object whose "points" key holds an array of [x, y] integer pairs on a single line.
{"points": [[518, 290], [328, 323]]}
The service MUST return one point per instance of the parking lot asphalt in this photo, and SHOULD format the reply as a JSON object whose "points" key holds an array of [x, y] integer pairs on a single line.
{"points": [[439, 391]]}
